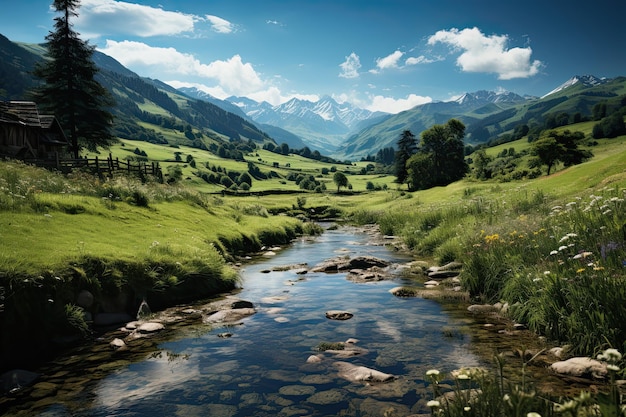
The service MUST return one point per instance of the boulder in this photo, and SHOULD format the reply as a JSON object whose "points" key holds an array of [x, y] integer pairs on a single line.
{"points": [[449, 270], [229, 316], [482, 309], [150, 327], [366, 275], [84, 299], [117, 344], [339, 315], [355, 373], [580, 367], [16, 379], [344, 264]]}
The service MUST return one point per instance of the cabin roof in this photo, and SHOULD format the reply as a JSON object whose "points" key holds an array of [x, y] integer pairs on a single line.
{"points": [[20, 112], [25, 113]]}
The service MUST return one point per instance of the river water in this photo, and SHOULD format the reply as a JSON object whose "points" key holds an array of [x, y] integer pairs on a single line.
{"points": [[262, 369]]}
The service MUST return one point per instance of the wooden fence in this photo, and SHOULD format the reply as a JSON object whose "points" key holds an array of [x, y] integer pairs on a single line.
{"points": [[102, 165]]}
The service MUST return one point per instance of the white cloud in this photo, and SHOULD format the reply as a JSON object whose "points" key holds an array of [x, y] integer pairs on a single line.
{"points": [[350, 67], [489, 54], [392, 105], [104, 17], [390, 61], [421, 60], [233, 76], [220, 25]]}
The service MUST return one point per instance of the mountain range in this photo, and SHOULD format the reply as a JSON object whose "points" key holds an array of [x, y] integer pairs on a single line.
{"points": [[146, 108]]}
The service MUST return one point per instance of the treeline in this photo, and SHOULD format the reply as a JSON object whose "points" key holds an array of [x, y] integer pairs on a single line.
{"points": [[284, 149]]}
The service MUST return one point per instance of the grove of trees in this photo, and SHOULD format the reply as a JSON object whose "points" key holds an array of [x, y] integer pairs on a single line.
{"points": [[439, 159]]}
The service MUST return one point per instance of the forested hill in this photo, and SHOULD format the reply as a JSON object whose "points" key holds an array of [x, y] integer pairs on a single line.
{"points": [[145, 109]]}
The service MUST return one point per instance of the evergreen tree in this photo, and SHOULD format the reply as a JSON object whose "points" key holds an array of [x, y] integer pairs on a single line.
{"points": [[407, 146], [70, 90]]}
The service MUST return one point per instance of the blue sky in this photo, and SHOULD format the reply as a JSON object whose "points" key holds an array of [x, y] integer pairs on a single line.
{"points": [[386, 55]]}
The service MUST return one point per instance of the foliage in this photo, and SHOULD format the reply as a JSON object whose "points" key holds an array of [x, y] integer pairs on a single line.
{"points": [[340, 180], [407, 146], [440, 159], [556, 147], [474, 392], [71, 91]]}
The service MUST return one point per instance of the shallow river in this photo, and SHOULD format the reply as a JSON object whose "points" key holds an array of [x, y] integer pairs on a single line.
{"points": [[262, 369]]}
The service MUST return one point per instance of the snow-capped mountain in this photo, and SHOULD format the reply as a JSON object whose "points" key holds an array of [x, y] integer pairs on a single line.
{"points": [[322, 124], [483, 97], [586, 80]]}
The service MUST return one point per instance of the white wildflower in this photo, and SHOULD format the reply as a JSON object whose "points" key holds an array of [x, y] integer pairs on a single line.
{"points": [[554, 252], [433, 404]]}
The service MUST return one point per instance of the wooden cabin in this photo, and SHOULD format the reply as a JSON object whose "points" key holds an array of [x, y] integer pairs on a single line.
{"points": [[26, 134]]}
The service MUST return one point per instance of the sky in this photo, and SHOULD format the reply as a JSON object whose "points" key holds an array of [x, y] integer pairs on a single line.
{"points": [[382, 55]]}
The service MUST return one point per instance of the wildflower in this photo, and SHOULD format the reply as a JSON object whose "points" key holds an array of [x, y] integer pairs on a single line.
{"points": [[533, 414], [463, 376], [468, 408], [612, 367], [610, 355], [562, 248], [433, 404], [554, 252], [546, 272], [432, 372], [579, 270], [607, 212]]}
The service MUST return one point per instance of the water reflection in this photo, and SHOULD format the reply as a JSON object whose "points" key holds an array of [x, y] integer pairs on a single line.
{"points": [[262, 369]]}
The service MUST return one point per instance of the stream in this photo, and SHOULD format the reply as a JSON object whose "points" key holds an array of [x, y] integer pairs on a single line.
{"points": [[259, 367]]}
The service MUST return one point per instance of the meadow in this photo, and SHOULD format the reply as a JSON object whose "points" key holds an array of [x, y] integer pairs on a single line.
{"points": [[552, 247]]}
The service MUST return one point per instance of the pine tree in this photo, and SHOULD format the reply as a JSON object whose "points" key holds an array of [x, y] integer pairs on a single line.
{"points": [[407, 146], [70, 90]]}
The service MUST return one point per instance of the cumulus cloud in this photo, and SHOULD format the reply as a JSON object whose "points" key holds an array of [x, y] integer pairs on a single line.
{"points": [[233, 76], [392, 105], [390, 61], [220, 25], [482, 53], [350, 67], [104, 17]]}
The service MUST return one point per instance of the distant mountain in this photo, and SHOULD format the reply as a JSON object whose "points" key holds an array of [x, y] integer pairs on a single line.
{"points": [[193, 92], [585, 80], [144, 107], [322, 125], [467, 108]]}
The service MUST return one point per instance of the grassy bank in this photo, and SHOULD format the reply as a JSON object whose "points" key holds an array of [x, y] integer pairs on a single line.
{"points": [[122, 240], [553, 248]]}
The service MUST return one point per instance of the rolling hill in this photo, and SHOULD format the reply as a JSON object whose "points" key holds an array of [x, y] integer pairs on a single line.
{"points": [[488, 115]]}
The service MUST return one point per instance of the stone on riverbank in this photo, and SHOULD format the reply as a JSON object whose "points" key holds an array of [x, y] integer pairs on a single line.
{"points": [[580, 367], [354, 373], [230, 316]]}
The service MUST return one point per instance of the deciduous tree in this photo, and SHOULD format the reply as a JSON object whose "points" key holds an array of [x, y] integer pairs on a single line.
{"points": [[340, 180]]}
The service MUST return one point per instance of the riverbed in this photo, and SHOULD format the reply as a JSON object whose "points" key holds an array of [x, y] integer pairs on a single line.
{"points": [[260, 366]]}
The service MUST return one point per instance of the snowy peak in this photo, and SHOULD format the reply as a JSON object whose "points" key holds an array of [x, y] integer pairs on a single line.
{"points": [[586, 80], [484, 97], [326, 109]]}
